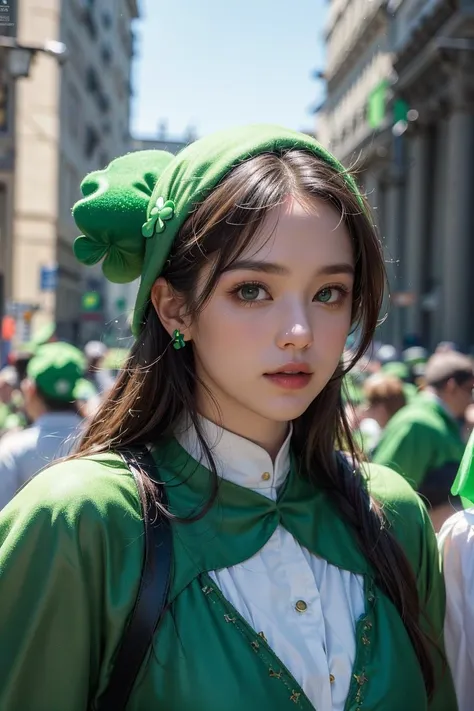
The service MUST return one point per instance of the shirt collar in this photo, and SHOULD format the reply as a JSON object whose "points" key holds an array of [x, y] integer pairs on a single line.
{"points": [[58, 419], [238, 459], [441, 404]]}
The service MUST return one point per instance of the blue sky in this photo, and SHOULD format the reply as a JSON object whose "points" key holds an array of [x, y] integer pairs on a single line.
{"points": [[221, 63]]}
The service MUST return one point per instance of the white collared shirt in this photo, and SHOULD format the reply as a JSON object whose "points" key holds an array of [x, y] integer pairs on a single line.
{"points": [[316, 644], [23, 454]]}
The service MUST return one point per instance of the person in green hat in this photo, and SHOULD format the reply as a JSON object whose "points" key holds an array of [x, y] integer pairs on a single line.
{"points": [[423, 441], [52, 376], [291, 579], [456, 546]]}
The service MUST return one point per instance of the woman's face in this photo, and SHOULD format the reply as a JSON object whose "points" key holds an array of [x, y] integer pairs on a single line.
{"points": [[285, 305]]}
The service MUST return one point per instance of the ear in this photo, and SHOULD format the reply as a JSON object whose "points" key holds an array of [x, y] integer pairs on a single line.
{"points": [[170, 307], [28, 388], [450, 386]]}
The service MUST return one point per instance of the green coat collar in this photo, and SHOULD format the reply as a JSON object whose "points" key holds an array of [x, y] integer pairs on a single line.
{"points": [[241, 521], [427, 401]]}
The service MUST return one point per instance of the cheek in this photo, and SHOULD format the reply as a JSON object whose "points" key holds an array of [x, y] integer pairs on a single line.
{"points": [[226, 326], [332, 328]]}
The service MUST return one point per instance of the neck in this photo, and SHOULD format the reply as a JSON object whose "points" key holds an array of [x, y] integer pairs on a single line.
{"points": [[268, 434], [35, 411], [449, 406]]}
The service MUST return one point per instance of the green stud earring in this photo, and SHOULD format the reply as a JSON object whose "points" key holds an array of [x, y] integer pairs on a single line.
{"points": [[178, 340]]}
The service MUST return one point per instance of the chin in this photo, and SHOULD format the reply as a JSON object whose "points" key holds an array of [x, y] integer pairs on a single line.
{"points": [[284, 412]]}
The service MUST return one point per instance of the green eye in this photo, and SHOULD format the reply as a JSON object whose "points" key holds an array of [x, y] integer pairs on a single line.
{"points": [[325, 295], [250, 292]]}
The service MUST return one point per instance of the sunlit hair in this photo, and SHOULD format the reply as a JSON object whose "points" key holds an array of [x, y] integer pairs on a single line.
{"points": [[157, 386]]}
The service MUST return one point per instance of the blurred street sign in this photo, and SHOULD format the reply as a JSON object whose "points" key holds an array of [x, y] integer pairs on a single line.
{"points": [[49, 278], [91, 302], [22, 313], [18, 309], [377, 103]]}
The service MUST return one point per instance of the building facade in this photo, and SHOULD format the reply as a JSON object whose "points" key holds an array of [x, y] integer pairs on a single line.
{"points": [[351, 121], [433, 43], [409, 131], [68, 119]]}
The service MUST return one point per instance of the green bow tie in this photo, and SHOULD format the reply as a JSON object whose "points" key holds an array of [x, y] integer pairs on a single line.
{"points": [[241, 521]]}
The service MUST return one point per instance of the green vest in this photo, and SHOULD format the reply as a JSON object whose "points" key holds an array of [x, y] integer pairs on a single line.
{"points": [[71, 547], [420, 438]]}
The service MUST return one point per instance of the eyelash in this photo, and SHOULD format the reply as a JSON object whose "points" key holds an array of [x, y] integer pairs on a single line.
{"points": [[343, 293]]}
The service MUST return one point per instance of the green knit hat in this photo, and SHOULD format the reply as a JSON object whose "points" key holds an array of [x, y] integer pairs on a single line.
{"points": [[56, 368], [133, 210]]}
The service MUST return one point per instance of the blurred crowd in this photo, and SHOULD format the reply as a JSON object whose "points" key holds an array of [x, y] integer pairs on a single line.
{"points": [[413, 412], [47, 391]]}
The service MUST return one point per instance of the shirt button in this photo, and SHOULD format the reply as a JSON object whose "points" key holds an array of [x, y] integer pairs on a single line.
{"points": [[332, 678], [301, 606], [266, 476]]}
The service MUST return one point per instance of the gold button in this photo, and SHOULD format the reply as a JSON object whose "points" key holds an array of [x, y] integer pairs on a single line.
{"points": [[266, 476], [301, 606], [332, 678]]}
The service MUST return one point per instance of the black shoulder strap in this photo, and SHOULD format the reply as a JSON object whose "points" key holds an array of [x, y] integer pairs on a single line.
{"points": [[152, 592]]}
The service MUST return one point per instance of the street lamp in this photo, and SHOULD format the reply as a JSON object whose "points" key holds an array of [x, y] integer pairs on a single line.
{"points": [[19, 62], [20, 56]]}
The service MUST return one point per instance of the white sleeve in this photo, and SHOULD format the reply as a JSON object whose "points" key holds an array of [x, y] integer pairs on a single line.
{"points": [[8, 472], [456, 543]]}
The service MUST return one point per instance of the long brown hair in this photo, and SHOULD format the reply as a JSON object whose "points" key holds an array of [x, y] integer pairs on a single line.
{"points": [[157, 385]]}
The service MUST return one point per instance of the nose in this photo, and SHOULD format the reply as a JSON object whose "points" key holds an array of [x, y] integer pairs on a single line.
{"points": [[296, 332]]}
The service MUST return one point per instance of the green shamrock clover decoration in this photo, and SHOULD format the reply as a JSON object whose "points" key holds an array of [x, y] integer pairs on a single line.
{"points": [[178, 340], [159, 215]]}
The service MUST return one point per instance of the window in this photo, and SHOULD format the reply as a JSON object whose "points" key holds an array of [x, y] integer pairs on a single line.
{"points": [[106, 55], [94, 87], [73, 111], [106, 19], [103, 102], [4, 107], [103, 160], [89, 21], [92, 140], [92, 80]]}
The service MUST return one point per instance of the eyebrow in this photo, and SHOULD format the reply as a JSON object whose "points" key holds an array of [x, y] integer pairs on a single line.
{"points": [[279, 269]]}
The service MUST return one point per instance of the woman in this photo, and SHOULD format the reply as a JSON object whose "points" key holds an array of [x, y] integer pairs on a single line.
{"points": [[295, 582], [455, 542]]}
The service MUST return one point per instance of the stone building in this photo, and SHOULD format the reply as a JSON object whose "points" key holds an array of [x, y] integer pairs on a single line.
{"points": [[66, 120], [351, 121], [433, 44], [410, 133]]}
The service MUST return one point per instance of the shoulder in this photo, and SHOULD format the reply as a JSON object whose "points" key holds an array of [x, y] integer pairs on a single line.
{"points": [[78, 497], [404, 510], [15, 443], [457, 534], [388, 487], [456, 541], [416, 417]]}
